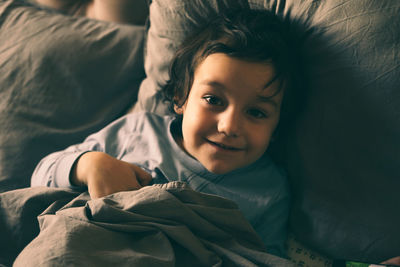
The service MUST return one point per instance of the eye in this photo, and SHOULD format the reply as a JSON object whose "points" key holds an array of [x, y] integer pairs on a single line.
{"points": [[213, 100], [256, 113]]}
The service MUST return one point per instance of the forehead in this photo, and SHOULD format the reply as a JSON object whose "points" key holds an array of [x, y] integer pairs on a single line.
{"points": [[224, 72]]}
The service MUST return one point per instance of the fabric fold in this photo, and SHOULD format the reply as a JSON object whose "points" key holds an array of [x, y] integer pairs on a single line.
{"points": [[159, 225]]}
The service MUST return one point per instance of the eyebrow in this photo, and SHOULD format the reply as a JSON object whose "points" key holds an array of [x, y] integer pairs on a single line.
{"points": [[213, 84], [260, 98], [267, 99]]}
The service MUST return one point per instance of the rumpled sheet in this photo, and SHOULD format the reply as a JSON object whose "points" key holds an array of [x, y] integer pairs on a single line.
{"points": [[159, 225]]}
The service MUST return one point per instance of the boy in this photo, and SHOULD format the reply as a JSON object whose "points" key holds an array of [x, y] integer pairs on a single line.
{"points": [[227, 85]]}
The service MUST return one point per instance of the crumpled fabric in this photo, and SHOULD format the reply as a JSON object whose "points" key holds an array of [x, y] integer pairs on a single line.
{"points": [[160, 225]]}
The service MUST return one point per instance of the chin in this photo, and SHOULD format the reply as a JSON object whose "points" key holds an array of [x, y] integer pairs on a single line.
{"points": [[219, 169]]}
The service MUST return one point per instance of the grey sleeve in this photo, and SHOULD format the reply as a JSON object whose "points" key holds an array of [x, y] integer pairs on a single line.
{"points": [[54, 169]]}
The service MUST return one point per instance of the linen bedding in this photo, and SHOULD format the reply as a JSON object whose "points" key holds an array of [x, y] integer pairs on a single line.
{"points": [[63, 78], [160, 225]]}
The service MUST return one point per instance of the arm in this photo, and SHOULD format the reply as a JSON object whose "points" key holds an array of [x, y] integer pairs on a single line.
{"points": [[393, 261], [104, 174], [122, 11], [54, 169], [92, 163]]}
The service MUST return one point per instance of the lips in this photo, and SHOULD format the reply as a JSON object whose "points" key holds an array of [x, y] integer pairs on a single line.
{"points": [[224, 146]]}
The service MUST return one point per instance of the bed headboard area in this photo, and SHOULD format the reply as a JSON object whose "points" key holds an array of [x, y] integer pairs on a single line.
{"points": [[64, 77]]}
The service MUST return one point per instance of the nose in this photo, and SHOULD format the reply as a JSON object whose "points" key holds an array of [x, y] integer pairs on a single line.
{"points": [[229, 123]]}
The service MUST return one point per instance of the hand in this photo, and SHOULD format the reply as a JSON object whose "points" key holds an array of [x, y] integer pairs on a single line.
{"points": [[105, 175], [393, 261], [71, 7], [122, 11]]}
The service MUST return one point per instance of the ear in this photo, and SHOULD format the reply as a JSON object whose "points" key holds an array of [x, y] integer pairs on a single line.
{"points": [[178, 110]]}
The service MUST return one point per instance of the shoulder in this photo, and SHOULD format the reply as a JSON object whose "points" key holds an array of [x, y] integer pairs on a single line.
{"points": [[144, 121], [271, 176], [145, 117], [152, 118], [267, 165]]}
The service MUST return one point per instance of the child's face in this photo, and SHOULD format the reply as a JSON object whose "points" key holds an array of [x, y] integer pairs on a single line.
{"points": [[227, 124]]}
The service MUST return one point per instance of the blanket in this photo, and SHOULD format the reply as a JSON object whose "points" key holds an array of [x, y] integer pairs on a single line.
{"points": [[158, 225]]}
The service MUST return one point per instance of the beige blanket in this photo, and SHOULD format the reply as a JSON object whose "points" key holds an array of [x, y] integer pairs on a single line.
{"points": [[159, 225]]}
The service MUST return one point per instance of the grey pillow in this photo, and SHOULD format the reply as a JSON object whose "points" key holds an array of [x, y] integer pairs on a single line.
{"points": [[343, 155], [61, 79]]}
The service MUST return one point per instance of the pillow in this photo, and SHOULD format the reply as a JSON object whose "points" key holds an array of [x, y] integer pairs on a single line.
{"points": [[61, 79], [343, 154]]}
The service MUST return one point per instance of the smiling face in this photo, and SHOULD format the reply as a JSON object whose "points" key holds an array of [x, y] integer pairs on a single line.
{"points": [[230, 115]]}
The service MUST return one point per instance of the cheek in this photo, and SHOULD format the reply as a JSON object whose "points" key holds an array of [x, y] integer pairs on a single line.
{"points": [[260, 139], [195, 117], [190, 126], [261, 143], [193, 126], [186, 126]]}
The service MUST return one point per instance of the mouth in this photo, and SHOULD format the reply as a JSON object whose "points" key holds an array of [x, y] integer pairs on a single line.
{"points": [[225, 147]]}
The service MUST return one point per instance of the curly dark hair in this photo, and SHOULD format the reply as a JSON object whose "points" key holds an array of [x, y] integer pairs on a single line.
{"points": [[251, 35]]}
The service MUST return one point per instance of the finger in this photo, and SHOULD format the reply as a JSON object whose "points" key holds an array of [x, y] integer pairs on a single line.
{"points": [[143, 177], [395, 261]]}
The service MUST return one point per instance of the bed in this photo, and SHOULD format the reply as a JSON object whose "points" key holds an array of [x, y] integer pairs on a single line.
{"points": [[64, 75]]}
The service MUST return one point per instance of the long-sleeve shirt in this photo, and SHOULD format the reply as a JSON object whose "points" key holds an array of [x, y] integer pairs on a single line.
{"points": [[260, 190]]}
